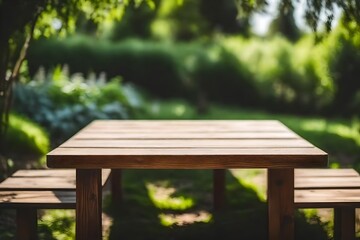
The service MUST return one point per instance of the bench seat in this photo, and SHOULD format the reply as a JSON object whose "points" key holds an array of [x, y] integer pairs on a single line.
{"points": [[45, 179], [317, 188], [26, 191], [38, 199], [325, 172], [330, 188]]}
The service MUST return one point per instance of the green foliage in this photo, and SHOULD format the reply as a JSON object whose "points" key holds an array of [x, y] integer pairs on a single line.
{"points": [[302, 77], [221, 77], [65, 104], [284, 23], [25, 138], [57, 224], [223, 16], [147, 64], [136, 22], [182, 22], [284, 74], [343, 67]]}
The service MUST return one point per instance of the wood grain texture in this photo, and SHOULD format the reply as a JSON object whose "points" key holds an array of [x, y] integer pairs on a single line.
{"points": [[36, 180], [38, 199], [183, 135], [281, 204], [326, 172], [39, 173], [327, 198], [186, 144], [327, 182], [88, 204], [185, 158]]}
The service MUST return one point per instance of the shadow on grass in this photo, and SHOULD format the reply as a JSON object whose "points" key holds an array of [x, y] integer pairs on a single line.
{"points": [[243, 217]]}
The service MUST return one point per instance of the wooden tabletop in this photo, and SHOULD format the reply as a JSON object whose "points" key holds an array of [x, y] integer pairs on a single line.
{"points": [[186, 144]]}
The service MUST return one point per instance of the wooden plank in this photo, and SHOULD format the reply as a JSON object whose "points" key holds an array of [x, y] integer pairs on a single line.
{"points": [[182, 135], [186, 128], [41, 180], [325, 172], [192, 123], [88, 204], [327, 198], [26, 222], [327, 182], [37, 199], [281, 203], [186, 158], [189, 143], [184, 125], [120, 130], [287, 153], [34, 183], [44, 173]]}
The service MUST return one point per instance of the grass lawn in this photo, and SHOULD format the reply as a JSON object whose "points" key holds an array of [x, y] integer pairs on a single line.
{"points": [[174, 205]]}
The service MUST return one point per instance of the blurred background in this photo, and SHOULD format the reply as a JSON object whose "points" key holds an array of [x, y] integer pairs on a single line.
{"points": [[186, 59]]}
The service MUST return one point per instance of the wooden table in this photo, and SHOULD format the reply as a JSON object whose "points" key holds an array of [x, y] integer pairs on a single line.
{"points": [[190, 144]]}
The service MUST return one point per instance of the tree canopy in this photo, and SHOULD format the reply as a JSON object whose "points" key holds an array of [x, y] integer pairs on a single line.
{"points": [[21, 20]]}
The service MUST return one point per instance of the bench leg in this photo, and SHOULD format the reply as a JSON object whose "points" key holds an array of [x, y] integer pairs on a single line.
{"points": [[116, 186], [344, 223], [219, 188], [281, 204], [88, 204], [26, 219]]}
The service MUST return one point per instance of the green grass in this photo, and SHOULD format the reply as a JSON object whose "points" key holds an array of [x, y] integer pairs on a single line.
{"points": [[176, 205]]}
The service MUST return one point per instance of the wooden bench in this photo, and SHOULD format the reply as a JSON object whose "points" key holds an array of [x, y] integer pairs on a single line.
{"points": [[317, 188], [29, 190], [330, 188]]}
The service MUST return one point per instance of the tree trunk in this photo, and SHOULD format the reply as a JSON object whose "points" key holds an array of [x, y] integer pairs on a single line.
{"points": [[3, 91]]}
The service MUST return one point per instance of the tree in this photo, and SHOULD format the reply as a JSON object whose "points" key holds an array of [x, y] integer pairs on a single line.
{"points": [[284, 23], [20, 20], [223, 16], [136, 21]]}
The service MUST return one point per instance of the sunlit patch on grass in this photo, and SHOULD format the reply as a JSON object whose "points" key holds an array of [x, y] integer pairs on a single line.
{"points": [[179, 110], [184, 218], [162, 195], [343, 130], [254, 179], [60, 224]]}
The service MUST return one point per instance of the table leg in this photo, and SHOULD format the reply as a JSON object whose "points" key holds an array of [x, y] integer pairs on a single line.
{"points": [[344, 223], [26, 221], [281, 204], [88, 204], [116, 187], [219, 188]]}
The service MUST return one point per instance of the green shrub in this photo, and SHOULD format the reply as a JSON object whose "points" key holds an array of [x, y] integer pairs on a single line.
{"points": [[343, 60], [25, 138], [305, 77], [147, 64], [315, 89], [65, 104], [222, 78], [288, 77]]}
